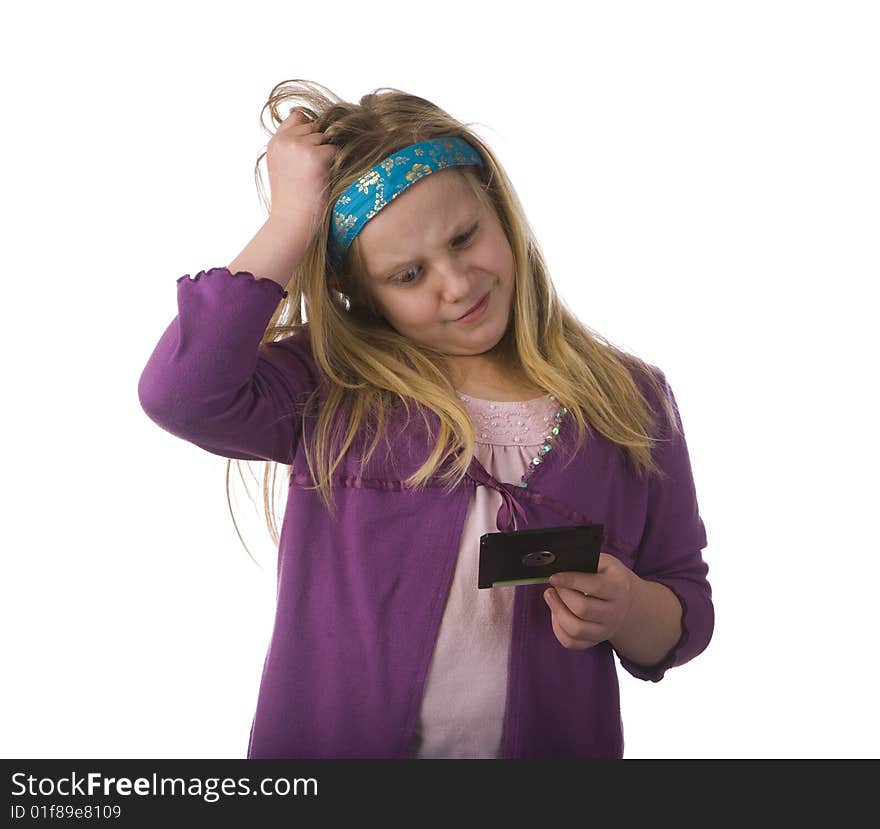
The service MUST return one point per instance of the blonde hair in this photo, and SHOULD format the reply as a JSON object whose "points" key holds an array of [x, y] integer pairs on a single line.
{"points": [[369, 367]]}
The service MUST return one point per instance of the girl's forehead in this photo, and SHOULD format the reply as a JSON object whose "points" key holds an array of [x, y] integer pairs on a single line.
{"points": [[425, 208]]}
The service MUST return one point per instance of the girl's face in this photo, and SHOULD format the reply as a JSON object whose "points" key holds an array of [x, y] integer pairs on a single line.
{"points": [[431, 255]]}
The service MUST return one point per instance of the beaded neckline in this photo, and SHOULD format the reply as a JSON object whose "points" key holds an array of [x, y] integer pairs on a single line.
{"points": [[506, 402], [507, 408]]}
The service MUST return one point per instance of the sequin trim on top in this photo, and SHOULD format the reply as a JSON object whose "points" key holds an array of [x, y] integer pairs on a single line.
{"points": [[517, 423]]}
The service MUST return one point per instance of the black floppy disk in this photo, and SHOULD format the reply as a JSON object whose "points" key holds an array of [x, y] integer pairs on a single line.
{"points": [[532, 556]]}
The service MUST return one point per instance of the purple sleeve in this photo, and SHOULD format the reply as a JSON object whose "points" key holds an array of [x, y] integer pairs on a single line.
{"points": [[669, 550], [211, 382]]}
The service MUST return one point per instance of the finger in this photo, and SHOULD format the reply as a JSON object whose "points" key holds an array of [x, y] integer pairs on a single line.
{"points": [[296, 121], [574, 626], [293, 118], [592, 584], [588, 608], [604, 560], [561, 635], [297, 114], [566, 640], [315, 137], [574, 600]]}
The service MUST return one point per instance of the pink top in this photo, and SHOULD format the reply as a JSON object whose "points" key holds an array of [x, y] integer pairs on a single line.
{"points": [[462, 710]]}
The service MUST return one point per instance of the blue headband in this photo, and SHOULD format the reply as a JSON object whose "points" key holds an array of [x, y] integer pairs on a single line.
{"points": [[387, 180]]}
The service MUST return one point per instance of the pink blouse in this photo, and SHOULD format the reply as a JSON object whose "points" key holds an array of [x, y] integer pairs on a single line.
{"points": [[462, 710]]}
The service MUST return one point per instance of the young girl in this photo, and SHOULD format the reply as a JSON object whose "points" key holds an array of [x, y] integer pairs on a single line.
{"points": [[439, 390]]}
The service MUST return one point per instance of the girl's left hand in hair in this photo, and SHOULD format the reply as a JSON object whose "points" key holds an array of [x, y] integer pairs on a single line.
{"points": [[581, 621]]}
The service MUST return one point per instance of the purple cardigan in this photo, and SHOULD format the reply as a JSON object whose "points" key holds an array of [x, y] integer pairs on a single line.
{"points": [[359, 598]]}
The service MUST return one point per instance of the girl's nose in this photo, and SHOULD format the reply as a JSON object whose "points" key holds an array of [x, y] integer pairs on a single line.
{"points": [[457, 280]]}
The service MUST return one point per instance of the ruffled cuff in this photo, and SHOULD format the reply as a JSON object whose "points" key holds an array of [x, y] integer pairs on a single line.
{"points": [[247, 276]]}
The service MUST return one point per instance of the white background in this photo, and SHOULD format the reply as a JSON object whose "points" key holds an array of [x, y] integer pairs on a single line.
{"points": [[703, 178]]}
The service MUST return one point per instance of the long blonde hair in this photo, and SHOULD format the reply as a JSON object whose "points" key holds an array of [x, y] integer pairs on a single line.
{"points": [[369, 367]]}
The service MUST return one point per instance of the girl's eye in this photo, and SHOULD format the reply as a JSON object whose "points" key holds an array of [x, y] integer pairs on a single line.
{"points": [[464, 239], [470, 234], [400, 279]]}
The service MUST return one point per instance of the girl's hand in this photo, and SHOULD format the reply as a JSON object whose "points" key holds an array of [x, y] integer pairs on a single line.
{"points": [[299, 167], [581, 621]]}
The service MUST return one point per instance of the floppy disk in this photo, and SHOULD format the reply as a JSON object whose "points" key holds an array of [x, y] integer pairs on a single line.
{"points": [[532, 556]]}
